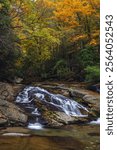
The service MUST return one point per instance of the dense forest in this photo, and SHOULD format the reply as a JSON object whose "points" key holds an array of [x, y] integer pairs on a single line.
{"points": [[49, 40]]}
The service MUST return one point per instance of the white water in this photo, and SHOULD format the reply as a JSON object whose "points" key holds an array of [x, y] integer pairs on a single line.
{"points": [[35, 126], [57, 101], [96, 121]]}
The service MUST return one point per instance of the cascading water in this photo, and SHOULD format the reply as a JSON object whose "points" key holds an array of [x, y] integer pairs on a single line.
{"points": [[62, 103]]}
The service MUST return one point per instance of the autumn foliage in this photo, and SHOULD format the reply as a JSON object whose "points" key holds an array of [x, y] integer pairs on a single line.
{"points": [[50, 38]]}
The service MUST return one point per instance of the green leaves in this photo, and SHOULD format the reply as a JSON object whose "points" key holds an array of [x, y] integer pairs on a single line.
{"points": [[92, 73], [54, 38], [8, 47]]}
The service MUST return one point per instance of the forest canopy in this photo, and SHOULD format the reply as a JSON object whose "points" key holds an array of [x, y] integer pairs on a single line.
{"points": [[49, 39]]}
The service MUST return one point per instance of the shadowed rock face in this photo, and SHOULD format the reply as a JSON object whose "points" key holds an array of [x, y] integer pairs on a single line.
{"points": [[11, 114]]}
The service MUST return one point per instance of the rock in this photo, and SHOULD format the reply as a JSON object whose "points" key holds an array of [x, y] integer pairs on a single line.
{"points": [[95, 88], [88, 98], [3, 119], [9, 91], [54, 117], [11, 114], [15, 130], [18, 80], [76, 93]]}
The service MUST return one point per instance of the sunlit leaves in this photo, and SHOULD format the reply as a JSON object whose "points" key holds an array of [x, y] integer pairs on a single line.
{"points": [[45, 28]]}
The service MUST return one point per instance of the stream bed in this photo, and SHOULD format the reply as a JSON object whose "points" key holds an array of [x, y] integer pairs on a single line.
{"points": [[69, 137]]}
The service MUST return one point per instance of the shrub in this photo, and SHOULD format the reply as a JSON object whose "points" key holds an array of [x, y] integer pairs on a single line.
{"points": [[62, 70], [88, 57], [92, 73]]}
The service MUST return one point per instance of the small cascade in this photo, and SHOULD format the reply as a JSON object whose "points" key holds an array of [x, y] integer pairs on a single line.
{"points": [[95, 121], [36, 125], [57, 101]]}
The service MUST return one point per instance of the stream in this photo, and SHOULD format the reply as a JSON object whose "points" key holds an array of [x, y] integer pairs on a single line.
{"points": [[38, 137], [59, 102], [71, 137]]}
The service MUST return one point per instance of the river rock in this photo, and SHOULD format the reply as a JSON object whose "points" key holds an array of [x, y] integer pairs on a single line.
{"points": [[9, 91], [3, 119], [56, 118], [88, 98], [11, 114]]}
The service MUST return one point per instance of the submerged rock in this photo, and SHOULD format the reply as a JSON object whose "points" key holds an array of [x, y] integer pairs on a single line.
{"points": [[11, 114]]}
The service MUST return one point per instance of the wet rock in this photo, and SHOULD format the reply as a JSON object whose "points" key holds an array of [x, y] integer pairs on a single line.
{"points": [[91, 99], [76, 93], [95, 88], [15, 130], [88, 98], [55, 117], [11, 114]]}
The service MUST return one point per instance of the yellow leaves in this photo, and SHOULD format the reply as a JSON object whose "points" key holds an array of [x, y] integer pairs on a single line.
{"points": [[95, 38], [67, 10], [93, 42], [1, 6], [49, 3], [78, 38], [80, 15], [25, 9], [95, 33]]}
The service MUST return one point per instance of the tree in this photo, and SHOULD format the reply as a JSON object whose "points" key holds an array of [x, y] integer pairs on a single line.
{"points": [[56, 38], [38, 37], [8, 46]]}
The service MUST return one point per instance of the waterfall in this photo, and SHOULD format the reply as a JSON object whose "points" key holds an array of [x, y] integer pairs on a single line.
{"points": [[62, 103]]}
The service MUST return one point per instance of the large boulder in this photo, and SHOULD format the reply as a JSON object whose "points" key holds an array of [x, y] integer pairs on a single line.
{"points": [[9, 91], [11, 114], [88, 98], [55, 117]]}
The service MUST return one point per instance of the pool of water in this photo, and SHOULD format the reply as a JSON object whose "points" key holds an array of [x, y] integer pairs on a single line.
{"points": [[71, 137]]}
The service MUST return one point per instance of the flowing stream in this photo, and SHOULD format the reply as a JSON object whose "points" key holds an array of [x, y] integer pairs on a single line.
{"points": [[36, 137], [56, 101]]}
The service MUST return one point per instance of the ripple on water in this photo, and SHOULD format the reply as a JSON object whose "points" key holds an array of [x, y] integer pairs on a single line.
{"points": [[15, 134]]}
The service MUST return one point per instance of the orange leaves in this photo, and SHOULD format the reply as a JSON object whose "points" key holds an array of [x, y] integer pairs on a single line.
{"points": [[78, 37], [82, 16], [0, 6], [67, 10]]}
